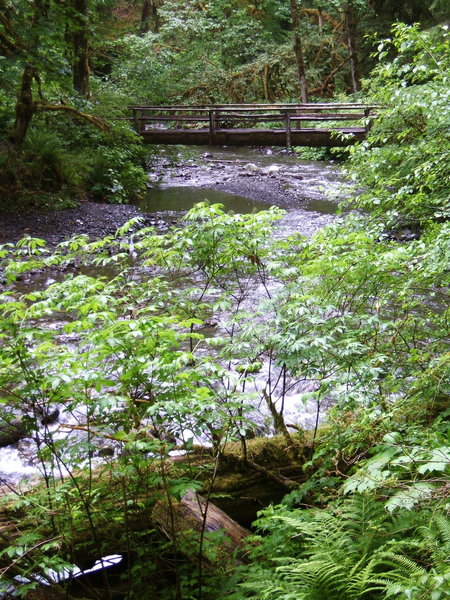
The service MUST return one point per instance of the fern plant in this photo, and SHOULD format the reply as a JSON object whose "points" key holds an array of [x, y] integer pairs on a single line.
{"points": [[354, 550], [427, 577]]}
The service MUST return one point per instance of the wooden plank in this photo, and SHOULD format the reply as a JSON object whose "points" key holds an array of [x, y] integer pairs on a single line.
{"points": [[192, 516], [252, 117], [255, 108], [206, 107], [188, 118]]}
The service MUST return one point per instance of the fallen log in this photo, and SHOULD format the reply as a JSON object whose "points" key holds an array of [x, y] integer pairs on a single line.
{"points": [[241, 488], [191, 518]]}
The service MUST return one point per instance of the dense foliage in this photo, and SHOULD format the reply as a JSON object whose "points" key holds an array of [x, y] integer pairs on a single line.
{"points": [[371, 316], [68, 71], [121, 344]]}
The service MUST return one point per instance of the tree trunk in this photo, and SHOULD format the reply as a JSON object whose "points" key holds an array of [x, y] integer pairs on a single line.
{"points": [[150, 20], [81, 48], [295, 20], [350, 31], [25, 107], [320, 21]]}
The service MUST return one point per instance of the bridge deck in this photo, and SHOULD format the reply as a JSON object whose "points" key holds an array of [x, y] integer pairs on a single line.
{"points": [[253, 125]]}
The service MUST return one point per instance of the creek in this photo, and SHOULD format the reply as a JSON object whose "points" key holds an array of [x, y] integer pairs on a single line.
{"points": [[243, 181]]}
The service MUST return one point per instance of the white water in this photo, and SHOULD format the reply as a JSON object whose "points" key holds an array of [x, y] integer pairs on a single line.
{"points": [[310, 211]]}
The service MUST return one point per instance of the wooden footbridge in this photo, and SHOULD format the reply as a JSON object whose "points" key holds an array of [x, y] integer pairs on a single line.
{"points": [[254, 124]]}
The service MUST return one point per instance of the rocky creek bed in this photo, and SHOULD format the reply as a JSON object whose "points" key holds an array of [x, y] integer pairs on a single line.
{"points": [[242, 180], [259, 176], [91, 218]]}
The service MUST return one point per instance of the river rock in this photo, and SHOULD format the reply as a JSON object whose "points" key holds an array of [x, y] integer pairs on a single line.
{"points": [[50, 417], [403, 234]]}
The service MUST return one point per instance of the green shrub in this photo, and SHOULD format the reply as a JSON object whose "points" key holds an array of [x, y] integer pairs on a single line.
{"points": [[403, 166]]}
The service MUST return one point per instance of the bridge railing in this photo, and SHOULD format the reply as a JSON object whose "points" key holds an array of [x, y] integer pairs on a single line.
{"points": [[220, 117]]}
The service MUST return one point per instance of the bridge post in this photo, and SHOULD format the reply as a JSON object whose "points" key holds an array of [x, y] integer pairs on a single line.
{"points": [[212, 127], [287, 118], [137, 124], [368, 122]]}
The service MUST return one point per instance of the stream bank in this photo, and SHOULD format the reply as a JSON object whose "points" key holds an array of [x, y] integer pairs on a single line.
{"points": [[242, 179], [246, 180]]}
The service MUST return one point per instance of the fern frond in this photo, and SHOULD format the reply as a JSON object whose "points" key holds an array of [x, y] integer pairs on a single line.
{"points": [[402, 566], [347, 552], [443, 527], [266, 589]]}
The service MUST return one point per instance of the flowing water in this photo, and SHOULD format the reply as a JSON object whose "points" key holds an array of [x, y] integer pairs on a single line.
{"points": [[244, 182]]}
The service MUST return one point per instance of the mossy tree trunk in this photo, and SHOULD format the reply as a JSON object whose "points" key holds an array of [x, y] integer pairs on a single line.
{"points": [[80, 39], [298, 50], [25, 107], [150, 20], [350, 33]]}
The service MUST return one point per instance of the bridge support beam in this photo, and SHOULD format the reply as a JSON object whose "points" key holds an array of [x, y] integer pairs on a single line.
{"points": [[253, 137]]}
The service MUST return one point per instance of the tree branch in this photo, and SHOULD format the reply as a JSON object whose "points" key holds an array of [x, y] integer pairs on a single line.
{"points": [[96, 121], [285, 482], [7, 46], [328, 78]]}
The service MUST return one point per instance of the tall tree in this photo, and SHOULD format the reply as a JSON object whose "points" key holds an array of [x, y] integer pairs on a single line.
{"points": [[25, 50], [25, 106], [150, 20], [80, 38], [350, 34], [33, 42], [295, 21]]}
